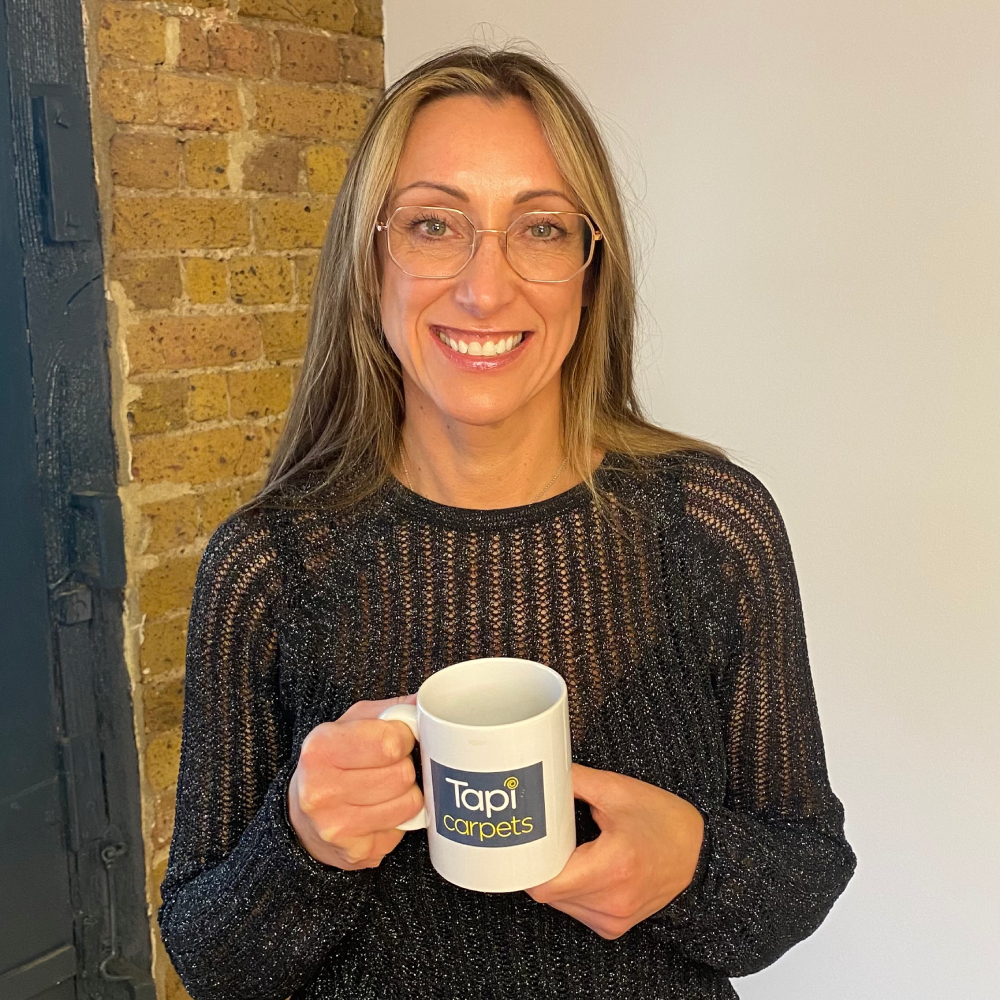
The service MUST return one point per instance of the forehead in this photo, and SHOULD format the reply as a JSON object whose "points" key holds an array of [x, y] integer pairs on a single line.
{"points": [[481, 147]]}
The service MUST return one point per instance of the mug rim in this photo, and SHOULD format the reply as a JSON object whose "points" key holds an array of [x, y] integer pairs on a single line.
{"points": [[563, 694]]}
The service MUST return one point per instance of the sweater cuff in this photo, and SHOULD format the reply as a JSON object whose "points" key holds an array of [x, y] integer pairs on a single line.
{"points": [[283, 842]]}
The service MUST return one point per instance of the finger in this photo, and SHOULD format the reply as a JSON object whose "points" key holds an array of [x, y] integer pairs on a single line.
{"points": [[357, 743], [585, 872], [368, 851], [366, 786], [351, 822], [602, 790]]}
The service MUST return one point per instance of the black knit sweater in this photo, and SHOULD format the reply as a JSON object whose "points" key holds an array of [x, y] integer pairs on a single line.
{"points": [[674, 618]]}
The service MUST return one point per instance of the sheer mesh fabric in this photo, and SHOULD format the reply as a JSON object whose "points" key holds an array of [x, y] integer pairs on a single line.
{"points": [[674, 618]]}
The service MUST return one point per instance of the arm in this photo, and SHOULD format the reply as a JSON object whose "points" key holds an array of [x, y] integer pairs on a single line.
{"points": [[774, 857], [247, 912]]}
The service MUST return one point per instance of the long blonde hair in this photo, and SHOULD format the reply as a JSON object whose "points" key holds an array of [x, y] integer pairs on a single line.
{"points": [[343, 429]]}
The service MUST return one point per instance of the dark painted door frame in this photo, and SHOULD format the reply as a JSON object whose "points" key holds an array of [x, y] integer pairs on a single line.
{"points": [[62, 624]]}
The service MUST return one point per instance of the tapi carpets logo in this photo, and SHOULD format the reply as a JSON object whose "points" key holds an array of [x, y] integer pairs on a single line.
{"points": [[489, 808]]}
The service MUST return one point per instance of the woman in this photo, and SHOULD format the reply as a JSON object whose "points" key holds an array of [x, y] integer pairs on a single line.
{"points": [[465, 472]]}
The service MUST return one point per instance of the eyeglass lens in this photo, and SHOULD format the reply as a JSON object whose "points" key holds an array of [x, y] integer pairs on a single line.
{"points": [[439, 242]]}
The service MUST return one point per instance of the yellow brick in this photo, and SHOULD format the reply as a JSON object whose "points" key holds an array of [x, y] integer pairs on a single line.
{"points": [[163, 819], [205, 280], [305, 275], [260, 280], [150, 283], [163, 646], [173, 987], [284, 335], [173, 342], [272, 434], [140, 160], [198, 103], [235, 48], [207, 399], [156, 880], [163, 705], [199, 457], [290, 223], [167, 587], [160, 407], [336, 15], [369, 18], [274, 167], [325, 168], [163, 755], [259, 393], [305, 113], [206, 162], [180, 223], [363, 61], [132, 33], [128, 95], [170, 523], [216, 506]]}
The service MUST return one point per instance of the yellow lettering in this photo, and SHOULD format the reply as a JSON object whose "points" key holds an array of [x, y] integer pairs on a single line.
{"points": [[447, 817], [472, 828], [503, 829], [464, 828], [526, 825], [513, 820], [483, 833]]}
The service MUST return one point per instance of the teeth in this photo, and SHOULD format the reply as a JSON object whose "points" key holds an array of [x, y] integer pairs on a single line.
{"points": [[486, 348]]}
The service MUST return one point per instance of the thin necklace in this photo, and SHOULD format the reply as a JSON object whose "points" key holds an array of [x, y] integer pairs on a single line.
{"points": [[544, 489]]}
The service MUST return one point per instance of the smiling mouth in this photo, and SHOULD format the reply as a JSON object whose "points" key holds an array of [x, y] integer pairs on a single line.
{"points": [[483, 345]]}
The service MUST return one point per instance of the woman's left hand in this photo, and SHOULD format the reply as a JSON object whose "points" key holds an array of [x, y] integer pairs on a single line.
{"points": [[645, 856]]}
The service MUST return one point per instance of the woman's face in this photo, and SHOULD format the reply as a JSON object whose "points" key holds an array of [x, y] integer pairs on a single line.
{"points": [[490, 161]]}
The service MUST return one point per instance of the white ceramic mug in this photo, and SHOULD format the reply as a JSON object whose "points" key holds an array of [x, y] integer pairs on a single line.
{"points": [[496, 758]]}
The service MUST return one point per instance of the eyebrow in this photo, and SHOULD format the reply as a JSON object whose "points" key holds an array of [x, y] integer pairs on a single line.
{"points": [[457, 193]]}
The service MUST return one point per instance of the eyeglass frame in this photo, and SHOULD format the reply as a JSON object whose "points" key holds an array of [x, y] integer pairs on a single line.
{"points": [[476, 243]]}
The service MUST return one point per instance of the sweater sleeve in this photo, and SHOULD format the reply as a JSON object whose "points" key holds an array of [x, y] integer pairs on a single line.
{"points": [[774, 858], [247, 912]]}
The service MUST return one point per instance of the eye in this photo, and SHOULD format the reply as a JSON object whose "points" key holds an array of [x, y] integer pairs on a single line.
{"points": [[544, 230], [432, 227]]}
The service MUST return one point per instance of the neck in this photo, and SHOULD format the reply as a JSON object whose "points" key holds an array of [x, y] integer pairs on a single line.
{"points": [[484, 466]]}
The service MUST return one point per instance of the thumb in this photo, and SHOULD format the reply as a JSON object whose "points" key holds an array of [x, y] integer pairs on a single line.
{"points": [[594, 787], [373, 709]]}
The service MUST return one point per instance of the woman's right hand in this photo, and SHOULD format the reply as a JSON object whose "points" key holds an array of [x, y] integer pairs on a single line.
{"points": [[353, 783]]}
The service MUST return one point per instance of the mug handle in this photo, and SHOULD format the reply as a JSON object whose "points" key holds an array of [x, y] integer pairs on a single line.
{"points": [[408, 714]]}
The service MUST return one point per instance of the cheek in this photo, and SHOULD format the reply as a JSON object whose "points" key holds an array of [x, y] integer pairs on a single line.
{"points": [[560, 309]]}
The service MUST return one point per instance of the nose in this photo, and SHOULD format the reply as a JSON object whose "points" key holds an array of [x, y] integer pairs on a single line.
{"points": [[488, 282]]}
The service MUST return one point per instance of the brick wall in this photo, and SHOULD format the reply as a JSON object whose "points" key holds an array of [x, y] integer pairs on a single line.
{"points": [[222, 130]]}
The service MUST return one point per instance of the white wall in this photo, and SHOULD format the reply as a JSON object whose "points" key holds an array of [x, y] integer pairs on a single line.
{"points": [[818, 187]]}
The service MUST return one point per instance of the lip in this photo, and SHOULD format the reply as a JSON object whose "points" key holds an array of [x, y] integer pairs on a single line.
{"points": [[478, 364]]}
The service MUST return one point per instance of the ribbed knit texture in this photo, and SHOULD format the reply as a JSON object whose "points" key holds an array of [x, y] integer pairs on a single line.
{"points": [[675, 620]]}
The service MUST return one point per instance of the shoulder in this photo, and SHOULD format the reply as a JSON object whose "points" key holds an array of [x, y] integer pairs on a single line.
{"points": [[241, 556], [716, 503], [297, 535]]}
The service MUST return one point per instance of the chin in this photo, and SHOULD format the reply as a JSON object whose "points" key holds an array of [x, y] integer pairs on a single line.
{"points": [[479, 410]]}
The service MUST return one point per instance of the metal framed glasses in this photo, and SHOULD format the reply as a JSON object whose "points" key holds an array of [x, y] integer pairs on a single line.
{"points": [[429, 242]]}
